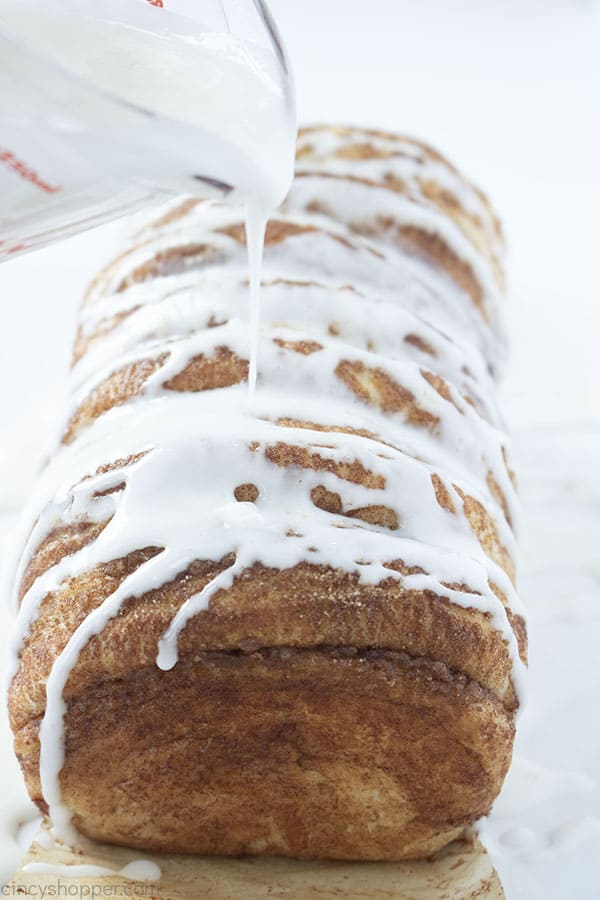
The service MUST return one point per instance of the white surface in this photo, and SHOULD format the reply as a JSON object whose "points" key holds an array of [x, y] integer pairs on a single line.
{"points": [[510, 91]]}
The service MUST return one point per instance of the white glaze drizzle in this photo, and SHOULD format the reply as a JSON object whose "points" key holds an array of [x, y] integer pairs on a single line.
{"points": [[330, 154], [199, 446], [334, 253], [362, 320], [138, 870], [256, 223], [408, 161]]}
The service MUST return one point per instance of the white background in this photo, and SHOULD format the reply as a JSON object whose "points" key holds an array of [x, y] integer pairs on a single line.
{"points": [[511, 92]]}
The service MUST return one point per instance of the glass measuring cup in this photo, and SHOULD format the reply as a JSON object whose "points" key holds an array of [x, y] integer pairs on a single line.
{"points": [[106, 105]]}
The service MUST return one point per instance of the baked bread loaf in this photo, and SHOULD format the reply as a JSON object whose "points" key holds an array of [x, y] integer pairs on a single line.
{"points": [[283, 624]]}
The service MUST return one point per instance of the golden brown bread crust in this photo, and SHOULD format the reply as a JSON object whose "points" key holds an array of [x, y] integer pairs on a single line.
{"points": [[307, 606], [320, 710], [309, 715], [283, 752]]}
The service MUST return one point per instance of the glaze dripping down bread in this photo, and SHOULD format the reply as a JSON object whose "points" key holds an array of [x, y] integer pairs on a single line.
{"points": [[286, 624]]}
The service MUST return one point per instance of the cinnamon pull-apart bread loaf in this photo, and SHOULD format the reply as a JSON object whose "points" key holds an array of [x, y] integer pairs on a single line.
{"points": [[281, 624]]}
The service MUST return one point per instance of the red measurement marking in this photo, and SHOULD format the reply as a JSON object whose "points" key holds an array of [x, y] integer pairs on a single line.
{"points": [[16, 248], [156, 3], [25, 172]]}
